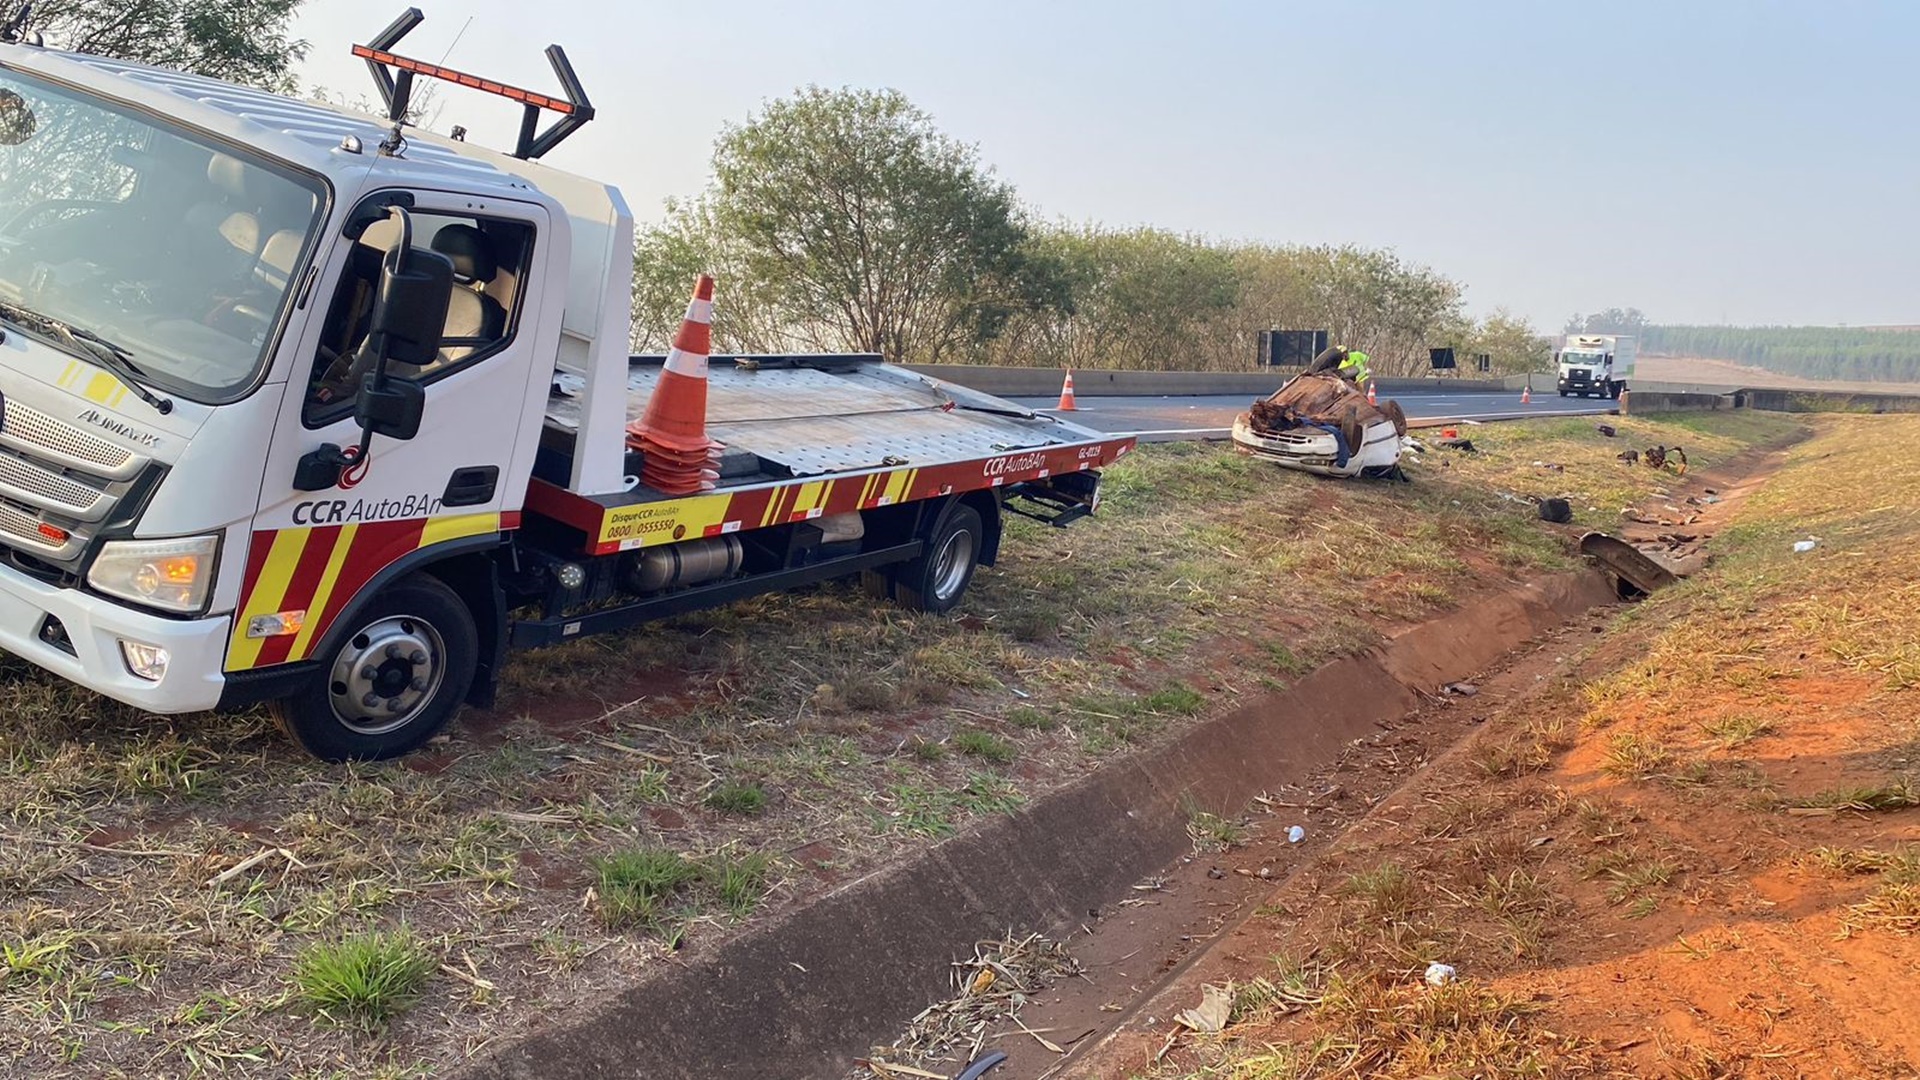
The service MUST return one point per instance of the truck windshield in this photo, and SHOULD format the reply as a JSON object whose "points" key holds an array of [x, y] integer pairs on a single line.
{"points": [[174, 247], [1586, 359]]}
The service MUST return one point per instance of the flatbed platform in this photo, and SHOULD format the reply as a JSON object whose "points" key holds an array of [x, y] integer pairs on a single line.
{"points": [[807, 436]]}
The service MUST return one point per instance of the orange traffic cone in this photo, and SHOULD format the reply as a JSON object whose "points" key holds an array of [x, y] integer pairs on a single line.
{"points": [[1526, 395], [677, 456], [1066, 395], [1373, 398]]}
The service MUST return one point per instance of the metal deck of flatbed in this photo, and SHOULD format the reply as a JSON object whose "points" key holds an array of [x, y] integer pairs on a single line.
{"points": [[797, 417]]}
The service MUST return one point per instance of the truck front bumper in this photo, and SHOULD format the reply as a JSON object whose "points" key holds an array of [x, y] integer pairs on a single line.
{"points": [[94, 629]]}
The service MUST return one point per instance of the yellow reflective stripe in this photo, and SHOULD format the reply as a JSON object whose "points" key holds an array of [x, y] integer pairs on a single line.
{"points": [[335, 559], [267, 594], [456, 526]]}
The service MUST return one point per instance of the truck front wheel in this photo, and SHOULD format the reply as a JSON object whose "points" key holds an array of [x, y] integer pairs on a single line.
{"points": [[935, 581], [392, 683]]}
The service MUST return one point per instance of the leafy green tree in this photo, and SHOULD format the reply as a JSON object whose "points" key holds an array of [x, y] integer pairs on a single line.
{"points": [[668, 257], [1511, 343], [1140, 298], [871, 229], [243, 41], [1611, 321]]}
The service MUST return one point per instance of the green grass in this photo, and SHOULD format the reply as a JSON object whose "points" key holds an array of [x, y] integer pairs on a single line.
{"points": [[739, 881], [984, 745], [369, 978], [737, 797], [635, 886], [1388, 890], [1738, 730], [651, 887], [1633, 756], [653, 784], [1032, 719], [1899, 794], [912, 806], [1210, 831]]}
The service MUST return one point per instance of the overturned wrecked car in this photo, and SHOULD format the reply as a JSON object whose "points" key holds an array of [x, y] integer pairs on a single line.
{"points": [[1321, 422]]}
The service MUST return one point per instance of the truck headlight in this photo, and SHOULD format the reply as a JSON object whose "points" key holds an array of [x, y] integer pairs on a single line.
{"points": [[172, 575]]}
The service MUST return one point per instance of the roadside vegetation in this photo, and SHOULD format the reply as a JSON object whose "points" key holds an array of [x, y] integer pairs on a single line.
{"points": [[191, 894], [1697, 860]]}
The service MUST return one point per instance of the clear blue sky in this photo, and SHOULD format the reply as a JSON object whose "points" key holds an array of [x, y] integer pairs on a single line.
{"points": [[1704, 161]]}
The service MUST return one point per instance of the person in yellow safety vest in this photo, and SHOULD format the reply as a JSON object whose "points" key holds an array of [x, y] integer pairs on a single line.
{"points": [[1355, 367]]}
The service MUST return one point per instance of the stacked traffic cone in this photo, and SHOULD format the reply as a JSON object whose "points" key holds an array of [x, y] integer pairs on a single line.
{"points": [[1066, 395], [677, 456], [1373, 397]]}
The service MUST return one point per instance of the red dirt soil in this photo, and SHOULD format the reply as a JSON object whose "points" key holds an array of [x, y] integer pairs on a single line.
{"points": [[1751, 960]]}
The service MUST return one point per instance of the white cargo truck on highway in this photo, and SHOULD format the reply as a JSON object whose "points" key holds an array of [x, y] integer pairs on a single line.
{"points": [[306, 407], [1595, 365]]}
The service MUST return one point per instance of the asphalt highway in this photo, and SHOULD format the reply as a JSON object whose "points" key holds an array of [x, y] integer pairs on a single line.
{"points": [[1201, 413]]}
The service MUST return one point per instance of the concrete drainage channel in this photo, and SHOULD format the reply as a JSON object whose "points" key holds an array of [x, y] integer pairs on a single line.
{"points": [[811, 991]]}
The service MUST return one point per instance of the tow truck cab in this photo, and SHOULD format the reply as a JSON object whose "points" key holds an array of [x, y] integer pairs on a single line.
{"points": [[278, 380]]}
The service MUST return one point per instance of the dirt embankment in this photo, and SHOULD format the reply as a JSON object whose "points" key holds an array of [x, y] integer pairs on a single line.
{"points": [[1691, 847]]}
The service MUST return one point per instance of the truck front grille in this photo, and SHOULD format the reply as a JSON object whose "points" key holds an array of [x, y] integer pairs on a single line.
{"points": [[21, 528], [33, 432], [27, 482], [57, 483]]}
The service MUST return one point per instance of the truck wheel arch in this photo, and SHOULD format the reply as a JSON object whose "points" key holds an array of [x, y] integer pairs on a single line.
{"points": [[467, 567]]}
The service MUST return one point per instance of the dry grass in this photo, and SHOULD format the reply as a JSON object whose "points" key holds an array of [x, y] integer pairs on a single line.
{"points": [[159, 879], [1776, 666], [989, 990]]}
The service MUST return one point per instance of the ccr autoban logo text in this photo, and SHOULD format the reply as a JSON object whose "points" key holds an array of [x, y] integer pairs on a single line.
{"points": [[356, 511]]}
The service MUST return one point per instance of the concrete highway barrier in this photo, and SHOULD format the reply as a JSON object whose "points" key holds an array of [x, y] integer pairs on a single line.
{"points": [[1039, 382]]}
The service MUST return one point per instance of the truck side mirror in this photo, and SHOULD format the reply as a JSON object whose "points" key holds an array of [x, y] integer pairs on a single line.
{"points": [[410, 308], [390, 407]]}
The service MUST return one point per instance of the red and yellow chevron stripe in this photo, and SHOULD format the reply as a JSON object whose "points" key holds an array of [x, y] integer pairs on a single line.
{"points": [[665, 521], [318, 571]]}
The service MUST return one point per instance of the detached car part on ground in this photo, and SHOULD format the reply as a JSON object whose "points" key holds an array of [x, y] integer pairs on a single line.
{"points": [[1322, 423]]}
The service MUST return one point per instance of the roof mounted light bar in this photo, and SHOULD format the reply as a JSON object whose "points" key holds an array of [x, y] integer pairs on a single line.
{"points": [[396, 88]]}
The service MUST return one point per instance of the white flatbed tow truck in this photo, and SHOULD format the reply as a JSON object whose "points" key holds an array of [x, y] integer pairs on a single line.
{"points": [[314, 408]]}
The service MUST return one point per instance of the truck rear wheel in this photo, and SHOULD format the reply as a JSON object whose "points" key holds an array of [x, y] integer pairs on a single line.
{"points": [[936, 580], [392, 683]]}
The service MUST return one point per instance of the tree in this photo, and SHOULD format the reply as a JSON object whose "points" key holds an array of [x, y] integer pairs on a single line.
{"points": [[871, 229], [1511, 343], [1611, 321], [243, 41], [1141, 298]]}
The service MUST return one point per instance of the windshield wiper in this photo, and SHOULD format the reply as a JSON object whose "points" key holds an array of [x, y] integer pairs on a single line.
{"points": [[115, 358]]}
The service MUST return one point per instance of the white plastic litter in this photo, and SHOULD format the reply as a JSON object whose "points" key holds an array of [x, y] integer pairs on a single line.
{"points": [[1805, 545], [1440, 974], [1296, 834]]}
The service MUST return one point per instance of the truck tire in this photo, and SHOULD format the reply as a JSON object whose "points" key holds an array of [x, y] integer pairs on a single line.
{"points": [[1614, 389], [936, 580], [1563, 393], [392, 683]]}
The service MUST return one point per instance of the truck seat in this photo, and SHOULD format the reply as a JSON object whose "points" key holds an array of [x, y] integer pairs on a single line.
{"points": [[474, 319], [222, 230]]}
